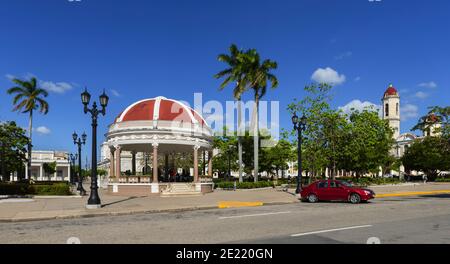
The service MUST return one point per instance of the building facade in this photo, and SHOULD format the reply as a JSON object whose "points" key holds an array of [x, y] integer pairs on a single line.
{"points": [[41, 157]]}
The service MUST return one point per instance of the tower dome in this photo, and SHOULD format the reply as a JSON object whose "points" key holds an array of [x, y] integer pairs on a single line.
{"points": [[391, 91]]}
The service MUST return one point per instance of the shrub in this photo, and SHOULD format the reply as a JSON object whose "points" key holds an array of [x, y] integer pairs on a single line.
{"points": [[244, 185], [34, 189], [55, 189], [13, 188], [443, 180]]}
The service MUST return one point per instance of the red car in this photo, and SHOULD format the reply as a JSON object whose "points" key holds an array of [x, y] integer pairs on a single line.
{"points": [[334, 190]]}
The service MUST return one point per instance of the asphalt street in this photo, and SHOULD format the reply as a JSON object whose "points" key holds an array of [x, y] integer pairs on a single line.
{"points": [[421, 219]]}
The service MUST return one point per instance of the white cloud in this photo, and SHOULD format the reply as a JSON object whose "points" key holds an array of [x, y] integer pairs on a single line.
{"points": [[59, 87], [428, 84], [43, 130], [357, 79], [115, 93], [360, 106], [421, 95], [10, 76], [409, 111], [343, 55], [329, 76]]}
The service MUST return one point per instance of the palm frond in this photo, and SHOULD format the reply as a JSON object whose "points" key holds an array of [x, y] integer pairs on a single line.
{"points": [[18, 97], [43, 105], [16, 89], [20, 106], [223, 73], [40, 91]]}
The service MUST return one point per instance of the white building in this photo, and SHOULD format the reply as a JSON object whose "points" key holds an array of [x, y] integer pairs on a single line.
{"points": [[39, 158]]}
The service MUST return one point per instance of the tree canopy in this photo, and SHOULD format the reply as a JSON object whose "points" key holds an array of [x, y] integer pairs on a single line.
{"points": [[430, 155], [13, 143], [359, 141]]}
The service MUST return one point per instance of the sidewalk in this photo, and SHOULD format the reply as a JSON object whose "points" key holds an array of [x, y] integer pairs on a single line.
{"points": [[12, 210]]}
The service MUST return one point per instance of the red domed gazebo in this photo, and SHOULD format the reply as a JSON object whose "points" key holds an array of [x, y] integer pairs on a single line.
{"points": [[159, 126]]}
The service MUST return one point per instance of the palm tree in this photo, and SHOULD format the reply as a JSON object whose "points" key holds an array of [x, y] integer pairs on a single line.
{"points": [[235, 73], [258, 76], [29, 97]]}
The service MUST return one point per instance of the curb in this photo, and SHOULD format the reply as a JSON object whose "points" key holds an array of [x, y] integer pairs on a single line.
{"points": [[154, 211], [406, 194]]}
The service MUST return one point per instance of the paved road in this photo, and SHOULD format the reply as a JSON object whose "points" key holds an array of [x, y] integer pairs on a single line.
{"points": [[393, 220]]}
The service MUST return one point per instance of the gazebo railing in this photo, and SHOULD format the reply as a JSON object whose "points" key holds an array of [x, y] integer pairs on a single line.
{"points": [[131, 179]]}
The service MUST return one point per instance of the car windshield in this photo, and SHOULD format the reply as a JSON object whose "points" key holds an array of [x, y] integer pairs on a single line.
{"points": [[345, 183]]}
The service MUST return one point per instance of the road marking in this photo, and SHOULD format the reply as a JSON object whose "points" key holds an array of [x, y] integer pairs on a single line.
{"points": [[253, 215], [330, 230], [234, 204], [411, 193]]}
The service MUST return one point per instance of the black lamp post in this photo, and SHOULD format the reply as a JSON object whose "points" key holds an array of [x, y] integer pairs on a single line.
{"points": [[72, 160], [94, 199], [79, 142], [299, 125]]}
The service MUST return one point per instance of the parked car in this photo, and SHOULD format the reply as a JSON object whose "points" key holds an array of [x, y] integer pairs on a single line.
{"points": [[334, 190]]}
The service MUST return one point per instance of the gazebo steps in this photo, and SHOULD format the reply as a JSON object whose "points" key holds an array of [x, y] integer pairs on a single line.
{"points": [[177, 194], [180, 189]]}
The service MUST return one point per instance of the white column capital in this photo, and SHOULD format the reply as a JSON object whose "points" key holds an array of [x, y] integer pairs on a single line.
{"points": [[155, 145]]}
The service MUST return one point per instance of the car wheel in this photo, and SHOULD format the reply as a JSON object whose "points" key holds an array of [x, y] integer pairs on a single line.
{"points": [[355, 198], [312, 198]]}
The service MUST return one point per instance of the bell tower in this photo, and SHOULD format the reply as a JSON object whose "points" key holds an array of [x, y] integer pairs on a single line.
{"points": [[391, 109]]}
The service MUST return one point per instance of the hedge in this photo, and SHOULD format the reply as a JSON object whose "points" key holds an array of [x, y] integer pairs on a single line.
{"points": [[365, 181], [34, 189], [244, 185], [443, 180]]}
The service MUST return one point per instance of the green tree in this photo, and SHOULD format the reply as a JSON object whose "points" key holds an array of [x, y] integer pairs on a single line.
{"points": [[276, 158], [49, 168], [28, 98], [235, 74], [258, 75], [13, 142], [359, 142], [436, 115], [370, 142], [225, 143], [430, 155], [314, 106]]}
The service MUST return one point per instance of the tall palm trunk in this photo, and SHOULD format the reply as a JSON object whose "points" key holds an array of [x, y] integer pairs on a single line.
{"points": [[256, 139], [30, 129], [240, 139]]}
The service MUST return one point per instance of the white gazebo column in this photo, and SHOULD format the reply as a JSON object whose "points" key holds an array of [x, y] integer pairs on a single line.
{"points": [[196, 179], [111, 164], [155, 183], [155, 162], [117, 162]]}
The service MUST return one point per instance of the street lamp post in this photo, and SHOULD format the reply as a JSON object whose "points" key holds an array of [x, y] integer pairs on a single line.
{"points": [[94, 201], [79, 142], [72, 159], [299, 125]]}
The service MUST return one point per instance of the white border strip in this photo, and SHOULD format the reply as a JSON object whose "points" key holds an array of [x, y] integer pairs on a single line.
{"points": [[330, 230], [241, 216]]}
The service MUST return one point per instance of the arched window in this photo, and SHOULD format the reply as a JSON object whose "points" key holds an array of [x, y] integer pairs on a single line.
{"points": [[396, 109], [387, 110]]}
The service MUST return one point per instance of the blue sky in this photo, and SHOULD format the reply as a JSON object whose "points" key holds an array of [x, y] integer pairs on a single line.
{"points": [[139, 49]]}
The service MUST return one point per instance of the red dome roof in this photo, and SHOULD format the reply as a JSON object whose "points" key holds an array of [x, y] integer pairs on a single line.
{"points": [[160, 108], [391, 91]]}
